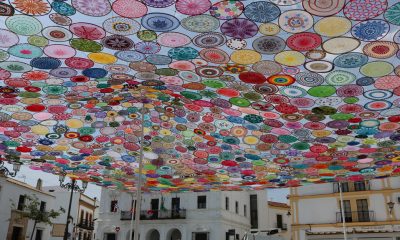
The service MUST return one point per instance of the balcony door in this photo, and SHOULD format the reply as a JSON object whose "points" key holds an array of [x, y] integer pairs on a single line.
{"points": [[362, 210], [175, 206], [347, 211], [154, 207]]}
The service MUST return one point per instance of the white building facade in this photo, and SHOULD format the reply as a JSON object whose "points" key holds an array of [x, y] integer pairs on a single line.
{"points": [[371, 211], [183, 216], [279, 217], [12, 224], [82, 212]]}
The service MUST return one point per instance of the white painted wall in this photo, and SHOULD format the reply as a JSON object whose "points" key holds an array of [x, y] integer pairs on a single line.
{"points": [[10, 192], [272, 216], [315, 189], [215, 219], [62, 200], [324, 208]]}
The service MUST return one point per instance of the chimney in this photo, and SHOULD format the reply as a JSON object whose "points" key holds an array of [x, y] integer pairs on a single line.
{"points": [[39, 184]]}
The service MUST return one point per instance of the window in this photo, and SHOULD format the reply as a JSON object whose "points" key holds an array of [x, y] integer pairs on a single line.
{"points": [[114, 206], [42, 206], [82, 213], [237, 207], [359, 186], [345, 187], [253, 211], [21, 202], [227, 203], [362, 210], [245, 210], [279, 221], [154, 203], [201, 202]]}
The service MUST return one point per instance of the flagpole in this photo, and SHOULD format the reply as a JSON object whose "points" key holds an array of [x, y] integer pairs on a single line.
{"points": [[342, 211], [132, 212], [139, 182]]}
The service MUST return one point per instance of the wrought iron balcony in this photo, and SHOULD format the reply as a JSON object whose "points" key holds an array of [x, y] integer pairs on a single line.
{"points": [[156, 214], [356, 216], [86, 224], [126, 215]]}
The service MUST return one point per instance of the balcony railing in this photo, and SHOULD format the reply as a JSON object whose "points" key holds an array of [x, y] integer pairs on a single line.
{"points": [[156, 214], [357, 216], [126, 215], [86, 224], [282, 226]]}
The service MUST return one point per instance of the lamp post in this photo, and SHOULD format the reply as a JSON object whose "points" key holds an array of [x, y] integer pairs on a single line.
{"points": [[74, 188], [16, 167]]}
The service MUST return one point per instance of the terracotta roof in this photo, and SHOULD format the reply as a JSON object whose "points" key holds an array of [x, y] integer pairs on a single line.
{"points": [[278, 204]]}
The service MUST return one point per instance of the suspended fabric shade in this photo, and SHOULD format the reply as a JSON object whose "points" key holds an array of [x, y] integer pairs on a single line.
{"points": [[236, 95]]}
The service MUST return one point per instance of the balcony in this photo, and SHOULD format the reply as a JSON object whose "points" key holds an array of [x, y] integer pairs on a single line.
{"points": [[356, 216], [126, 215], [156, 214], [86, 224], [283, 226]]}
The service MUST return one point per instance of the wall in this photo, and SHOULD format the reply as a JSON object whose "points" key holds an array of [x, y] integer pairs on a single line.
{"points": [[63, 201], [79, 202], [315, 189], [214, 219], [272, 216], [321, 210], [10, 190]]}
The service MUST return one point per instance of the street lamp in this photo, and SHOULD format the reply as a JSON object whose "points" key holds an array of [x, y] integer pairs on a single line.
{"points": [[16, 167], [391, 206], [288, 213], [73, 186]]}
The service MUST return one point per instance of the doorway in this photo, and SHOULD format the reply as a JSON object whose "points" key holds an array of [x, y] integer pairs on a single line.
{"points": [[110, 236], [201, 236], [39, 234], [153, 235], [16, 233], [174, 234]]}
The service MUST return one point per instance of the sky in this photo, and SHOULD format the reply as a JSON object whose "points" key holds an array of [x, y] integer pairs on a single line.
{"points": [[30, 176]]}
